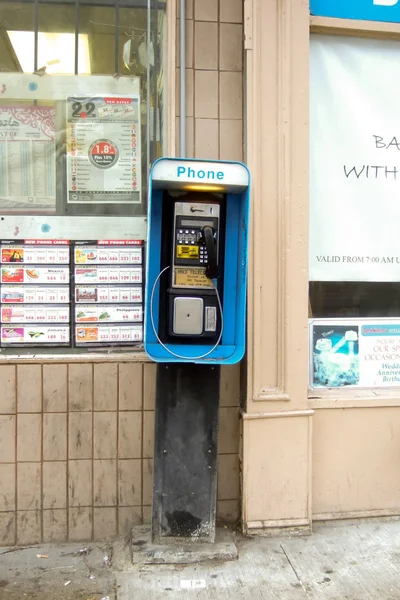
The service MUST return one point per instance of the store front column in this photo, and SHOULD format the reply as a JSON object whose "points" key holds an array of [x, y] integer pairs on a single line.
{"points": [[277, 424]]}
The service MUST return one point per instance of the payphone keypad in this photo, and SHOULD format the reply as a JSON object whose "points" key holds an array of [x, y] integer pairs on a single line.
{"points": [[190, 248]]}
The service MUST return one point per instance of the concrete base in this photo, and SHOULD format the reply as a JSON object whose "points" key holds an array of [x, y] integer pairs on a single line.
{"points": [[183, 552]]}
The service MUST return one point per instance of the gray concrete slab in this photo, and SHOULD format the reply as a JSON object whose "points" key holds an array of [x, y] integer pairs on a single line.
{"points": [[181, 552], [25, 575], [347, 560]]}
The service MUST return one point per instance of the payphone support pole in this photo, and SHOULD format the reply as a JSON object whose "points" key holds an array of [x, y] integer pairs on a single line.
{"points": [[185, 460]]}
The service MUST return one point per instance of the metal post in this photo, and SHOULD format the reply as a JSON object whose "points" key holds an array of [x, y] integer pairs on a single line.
{"points": [[185, 460]]}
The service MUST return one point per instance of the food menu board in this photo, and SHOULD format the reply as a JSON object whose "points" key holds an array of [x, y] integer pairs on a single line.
{"points": [[108, 295], [35, 293]]}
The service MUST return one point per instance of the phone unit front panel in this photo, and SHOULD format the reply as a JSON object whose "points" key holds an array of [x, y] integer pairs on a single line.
{"points": [[193, 311]]}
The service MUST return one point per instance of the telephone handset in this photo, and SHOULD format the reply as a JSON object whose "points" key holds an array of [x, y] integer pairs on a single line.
{"points": [[193, 303]]}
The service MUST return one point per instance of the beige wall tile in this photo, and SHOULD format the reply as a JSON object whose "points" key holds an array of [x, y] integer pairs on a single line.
{"points": [[55, 436], [228, 477], [147, 481], [29, 388], [148, 433], [228, 438], [189, 43], [206, 96], [206, 10], [129, 482], [80, 524], [54, 526], [8, 391], [206, 138], [105, 523], [105, 386], [29, 527], [146, 515], [149, 386], [227, 511], [231, 11], [28, 486], [205, 45], [230, 95], [7, 438], [231, 140], [7, 488], [105, 483], [29, 438], [230, 385], [105, 435], [80, 435], [54, 485], [7, 529], [230, 47], [80, 387], [128, 517], [130, 386], [55, 388], [130, 435], [189, 93], [80, 491]]}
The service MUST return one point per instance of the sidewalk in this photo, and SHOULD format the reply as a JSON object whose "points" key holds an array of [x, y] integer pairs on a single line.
{"points": [[347, 560]]}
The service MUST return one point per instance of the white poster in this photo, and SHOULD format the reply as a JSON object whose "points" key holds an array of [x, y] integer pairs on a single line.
{"points": [[354, 159], [354, 352], [103, 150], [27, 158]]}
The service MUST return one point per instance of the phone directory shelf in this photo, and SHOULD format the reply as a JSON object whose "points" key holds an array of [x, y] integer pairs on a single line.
{"points": [[35, 293], [108, 296]]}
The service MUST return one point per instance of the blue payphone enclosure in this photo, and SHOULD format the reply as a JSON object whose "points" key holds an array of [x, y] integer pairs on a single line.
{"points": [[233, 179]]}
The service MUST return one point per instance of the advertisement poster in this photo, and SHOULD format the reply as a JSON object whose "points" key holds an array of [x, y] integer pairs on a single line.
{"points": [[108, 334], [96, 274], [355, 159], [34, 274], [35, 251], [113, 314], [354, 352], [35, 314], [27, 294], [103, 150], [35, 334], [127, 255], [27, 158], [108, 294]]}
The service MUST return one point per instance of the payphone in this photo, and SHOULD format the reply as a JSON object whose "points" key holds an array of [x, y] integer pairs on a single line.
{"points": [[197, 261]]}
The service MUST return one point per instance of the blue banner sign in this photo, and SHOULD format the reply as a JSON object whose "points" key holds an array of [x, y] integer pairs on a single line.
{"points": [[364, 10]]}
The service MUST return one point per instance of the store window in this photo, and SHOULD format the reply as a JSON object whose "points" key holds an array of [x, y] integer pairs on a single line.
{"points": [[354, 293], [82, 110]]}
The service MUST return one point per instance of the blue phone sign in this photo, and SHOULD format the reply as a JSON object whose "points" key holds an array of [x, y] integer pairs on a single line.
{"points": [[364, 10]]}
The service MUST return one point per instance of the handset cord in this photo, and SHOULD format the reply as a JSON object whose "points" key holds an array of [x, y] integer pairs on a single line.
{"points": [[157, 336]]}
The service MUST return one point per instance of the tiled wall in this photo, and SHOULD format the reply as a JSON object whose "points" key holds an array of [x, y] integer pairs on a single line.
{"points": [[214, 80], [76, 448]]}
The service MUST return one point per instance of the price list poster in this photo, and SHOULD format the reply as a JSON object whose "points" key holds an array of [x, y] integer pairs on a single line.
{"points": [[103, 150]]}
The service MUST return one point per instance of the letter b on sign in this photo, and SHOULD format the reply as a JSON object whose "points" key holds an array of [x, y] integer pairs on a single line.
{"points": [[385, 2]]}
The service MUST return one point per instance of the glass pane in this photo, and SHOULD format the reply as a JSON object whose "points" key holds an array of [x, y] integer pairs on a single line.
{"points": [[16, 22], [56, 41], [97, 26]]}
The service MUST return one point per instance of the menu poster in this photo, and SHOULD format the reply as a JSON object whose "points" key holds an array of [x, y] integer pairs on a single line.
{"points": [[103, 150], [35, 335], [27, 158]]}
